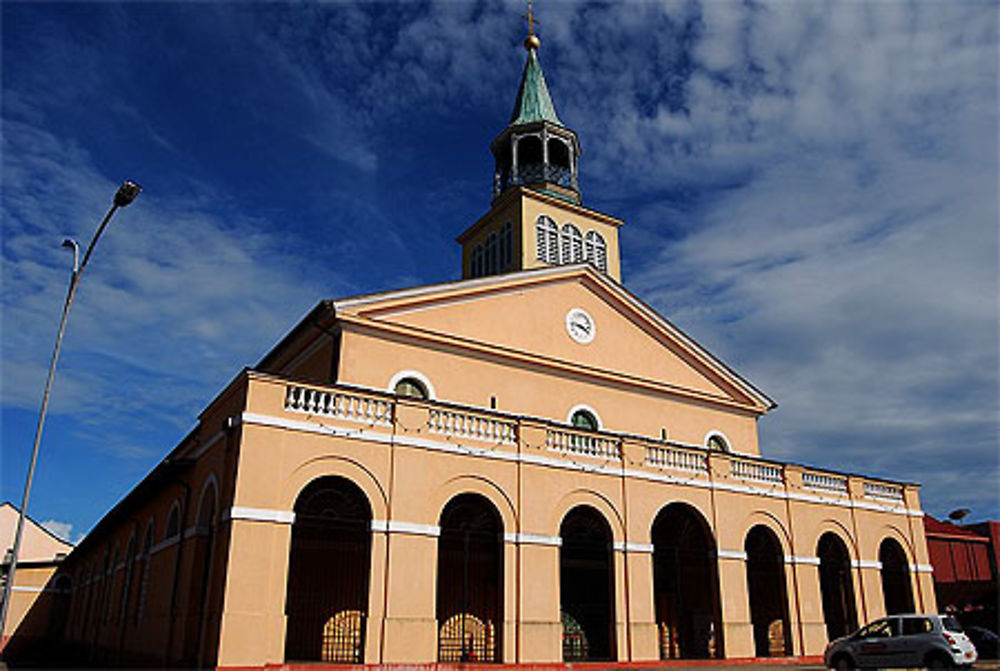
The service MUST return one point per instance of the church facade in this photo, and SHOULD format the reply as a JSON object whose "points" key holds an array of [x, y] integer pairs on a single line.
{"points": [[528, 465]]}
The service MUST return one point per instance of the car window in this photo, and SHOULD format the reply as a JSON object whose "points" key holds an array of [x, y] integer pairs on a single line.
{"points": [[917, 625], [951, 624], [879, 629]]}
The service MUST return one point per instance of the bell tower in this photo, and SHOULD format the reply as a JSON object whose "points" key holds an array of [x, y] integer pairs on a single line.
{"points": [[536, 149], [537, 217]]}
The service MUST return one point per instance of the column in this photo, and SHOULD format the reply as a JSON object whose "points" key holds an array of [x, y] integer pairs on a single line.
{"points": [[410, 619], [540, 625], [642, 625]]}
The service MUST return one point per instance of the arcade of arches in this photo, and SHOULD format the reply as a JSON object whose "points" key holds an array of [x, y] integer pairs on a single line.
{"points": [[330, 562]]}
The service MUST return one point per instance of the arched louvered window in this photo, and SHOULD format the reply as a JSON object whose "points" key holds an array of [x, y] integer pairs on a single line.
{"points": [[596, 251], [506, 245], [571, 244], [492, 254], [547, 240]]}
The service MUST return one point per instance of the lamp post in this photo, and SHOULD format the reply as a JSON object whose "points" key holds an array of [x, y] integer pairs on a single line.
{"points": [[126, 193]]}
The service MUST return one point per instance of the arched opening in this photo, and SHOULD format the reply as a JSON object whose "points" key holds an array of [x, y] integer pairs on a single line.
{"points": [[836, 586], [411, 387], [470, 581], [586, 586], [530, 159], [558, 154], [326, 604], [685, 585], [896, 589], [202, 549], [766, 588], [584, 419]]}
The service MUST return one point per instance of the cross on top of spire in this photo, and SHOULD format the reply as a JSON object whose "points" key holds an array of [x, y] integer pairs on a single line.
{"points": [[531, 42]]}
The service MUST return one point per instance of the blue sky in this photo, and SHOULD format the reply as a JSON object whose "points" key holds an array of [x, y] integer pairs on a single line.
{"points": [[810, 190]]}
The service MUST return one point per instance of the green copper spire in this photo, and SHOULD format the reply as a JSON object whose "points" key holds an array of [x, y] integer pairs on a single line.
{"points": [[533, 101]]}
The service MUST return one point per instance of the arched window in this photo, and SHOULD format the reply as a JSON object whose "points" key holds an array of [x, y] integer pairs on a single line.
{"points": [[492, 254], [718, 443], [571, 244], [147, 549], [123, 599], [173, 523], [411, 387], [584, 419], [596, 251], [547, 240]]}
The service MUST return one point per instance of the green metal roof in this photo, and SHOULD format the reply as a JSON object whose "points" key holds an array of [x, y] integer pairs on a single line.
{"points": [[533, 101]]}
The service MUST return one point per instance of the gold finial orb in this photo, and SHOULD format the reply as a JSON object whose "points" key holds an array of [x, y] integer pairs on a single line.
{"points": [[531, 42]]}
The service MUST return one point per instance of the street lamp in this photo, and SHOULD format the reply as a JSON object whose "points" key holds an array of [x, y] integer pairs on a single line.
{"points": [[126, 193]]}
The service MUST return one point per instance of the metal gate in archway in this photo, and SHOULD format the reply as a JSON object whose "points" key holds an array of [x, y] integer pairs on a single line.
{"points": [[470, 581], [327, 599]]}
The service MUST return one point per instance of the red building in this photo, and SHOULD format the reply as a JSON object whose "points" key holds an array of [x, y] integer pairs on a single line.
{"points": [[965, 561]]}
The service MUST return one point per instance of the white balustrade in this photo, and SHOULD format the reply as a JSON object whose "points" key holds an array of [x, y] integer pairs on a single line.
{"points": [[752, 470], [676, 459], [339, 404], [473, 426], [884, 492], [582, 443], [825, 482]]}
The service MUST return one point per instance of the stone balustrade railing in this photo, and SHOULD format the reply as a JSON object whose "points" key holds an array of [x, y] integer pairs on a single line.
{"points": [[883, 491], [476, 426], [677, 459], [583, 443], [825, 482], [755, 470], [347, 405], [376, 409]]}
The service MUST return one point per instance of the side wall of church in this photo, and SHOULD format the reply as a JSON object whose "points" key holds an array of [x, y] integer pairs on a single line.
{"points": [[145, 587]]}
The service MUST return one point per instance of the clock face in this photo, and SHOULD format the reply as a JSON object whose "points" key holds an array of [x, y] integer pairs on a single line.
{"points": [[580, 326]]}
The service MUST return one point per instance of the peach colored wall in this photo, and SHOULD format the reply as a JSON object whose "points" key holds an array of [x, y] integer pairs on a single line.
{"points": [[409, 472], [372, 361]]}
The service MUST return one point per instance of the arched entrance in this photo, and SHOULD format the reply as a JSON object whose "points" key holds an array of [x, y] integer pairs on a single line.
{"points": [[470, 581], [586, 586], [836, 586], [896, 589], [327, 599], [766, 588], [685, 585]]}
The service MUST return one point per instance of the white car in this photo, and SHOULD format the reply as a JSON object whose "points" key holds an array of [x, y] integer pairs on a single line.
{"points": [[930, 641]]}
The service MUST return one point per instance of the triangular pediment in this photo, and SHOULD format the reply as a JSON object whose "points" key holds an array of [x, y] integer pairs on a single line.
{"points": [[525, 314]]}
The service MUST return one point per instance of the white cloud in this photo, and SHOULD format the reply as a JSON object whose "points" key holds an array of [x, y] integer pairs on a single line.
{"points": [[62, 530], [178, 290]]}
